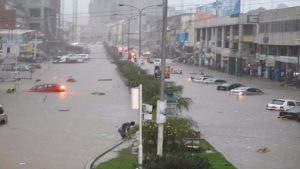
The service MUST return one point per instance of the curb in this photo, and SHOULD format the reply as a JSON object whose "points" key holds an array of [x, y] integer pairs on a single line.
{"points": [[90, 164]]}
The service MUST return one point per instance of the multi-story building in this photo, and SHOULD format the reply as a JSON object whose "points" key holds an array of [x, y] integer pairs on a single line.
{"points": [[7, 16], [40, 15], [226, 43], [278, 43]]}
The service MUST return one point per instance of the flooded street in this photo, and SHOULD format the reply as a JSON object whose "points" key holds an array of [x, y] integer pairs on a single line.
{"points": [[52, 130], [64, 130], [239, 126]]}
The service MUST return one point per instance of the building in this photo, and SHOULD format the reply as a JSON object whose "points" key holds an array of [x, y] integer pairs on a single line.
{"points": [[226, 43], [40, 15], [278, 43], [8, 15]]}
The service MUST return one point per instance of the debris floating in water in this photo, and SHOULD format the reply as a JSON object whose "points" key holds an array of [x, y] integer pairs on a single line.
{"points": [[98, 93], [104, 79]]}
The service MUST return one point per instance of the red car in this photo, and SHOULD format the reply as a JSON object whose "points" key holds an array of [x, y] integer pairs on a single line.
{"points": [[51, 87], [36, 66]]}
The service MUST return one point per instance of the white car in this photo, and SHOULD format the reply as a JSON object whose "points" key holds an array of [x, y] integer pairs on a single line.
{"points": [[240, 91], [85, 57], [199, 79], [282, 104], [214, 81]]}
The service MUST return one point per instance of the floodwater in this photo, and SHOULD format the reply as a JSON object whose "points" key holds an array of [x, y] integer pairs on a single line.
{"points": [[64, 130], [239, 126]]}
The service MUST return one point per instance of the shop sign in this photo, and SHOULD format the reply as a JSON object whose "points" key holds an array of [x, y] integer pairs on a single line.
{"points": [[287, 59], [270, 61]]}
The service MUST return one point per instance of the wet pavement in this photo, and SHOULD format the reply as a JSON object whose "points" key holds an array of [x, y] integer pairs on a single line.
{"points": [[66, 130], [239, 126]]}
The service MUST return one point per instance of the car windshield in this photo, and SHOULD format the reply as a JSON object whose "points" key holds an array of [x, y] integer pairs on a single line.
{"points": [[277, 102]]}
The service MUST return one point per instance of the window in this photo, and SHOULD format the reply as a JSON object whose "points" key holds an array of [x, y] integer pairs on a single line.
{"points": [[35, 12], [35, 26], [291, 103]]}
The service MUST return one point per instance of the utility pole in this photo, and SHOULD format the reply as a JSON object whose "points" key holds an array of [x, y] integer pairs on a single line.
{"points": [[75, 19], [162, 103]]}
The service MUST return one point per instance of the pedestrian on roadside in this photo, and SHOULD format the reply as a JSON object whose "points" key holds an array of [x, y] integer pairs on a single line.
{"points": [[124, 129]]}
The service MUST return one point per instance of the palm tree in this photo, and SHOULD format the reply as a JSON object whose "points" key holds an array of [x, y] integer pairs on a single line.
{"points": [[183, 102], [176, 90]]}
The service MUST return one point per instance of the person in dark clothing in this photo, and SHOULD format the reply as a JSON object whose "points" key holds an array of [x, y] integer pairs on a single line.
{"points": [[124, 129], [1, 110]]}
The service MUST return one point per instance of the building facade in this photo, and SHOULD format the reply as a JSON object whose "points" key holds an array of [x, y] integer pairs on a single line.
{"points": [[226, 43], [278, 43]]}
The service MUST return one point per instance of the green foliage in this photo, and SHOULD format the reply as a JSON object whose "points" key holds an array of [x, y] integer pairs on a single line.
{"points": [[216, 159], [176, 131], [176, 161], [183, 102], [135, 76], [125, 160]]}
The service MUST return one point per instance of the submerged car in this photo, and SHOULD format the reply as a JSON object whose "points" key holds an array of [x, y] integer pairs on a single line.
{"points": [[227, 86], [292, 113], [282, 104], [198, 77], [51, 87], [214, 81], [240, 91]]}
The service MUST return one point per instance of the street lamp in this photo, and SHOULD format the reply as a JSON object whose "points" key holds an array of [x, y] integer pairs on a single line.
{"points": [[129, 18], [140, 10]]}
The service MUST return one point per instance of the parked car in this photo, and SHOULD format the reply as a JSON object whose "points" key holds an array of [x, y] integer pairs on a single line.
{"points": [[22, 67], [292, 113], [176, 71], [227, 86], [51, 87], [214, 81], [282, 104], [197, 76], [156, 62], [3, 116], [246, 91], [199, 79], [36, 66]]}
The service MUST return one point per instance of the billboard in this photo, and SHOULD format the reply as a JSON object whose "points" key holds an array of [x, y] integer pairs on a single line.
{"points": [[229, 7], [219, 8], [207, 11]]}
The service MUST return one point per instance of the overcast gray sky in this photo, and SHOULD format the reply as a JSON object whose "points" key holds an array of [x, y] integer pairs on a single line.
{"points": [[245, 5]]}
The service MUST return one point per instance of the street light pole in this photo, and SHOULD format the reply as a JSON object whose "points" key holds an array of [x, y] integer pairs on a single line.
{"points": [[140, 33], [162, 78], [128, 38]]}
